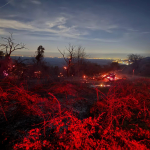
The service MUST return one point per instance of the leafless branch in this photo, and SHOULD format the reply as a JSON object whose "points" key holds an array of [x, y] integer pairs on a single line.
{"points": [[63, 54], [10, 46]]}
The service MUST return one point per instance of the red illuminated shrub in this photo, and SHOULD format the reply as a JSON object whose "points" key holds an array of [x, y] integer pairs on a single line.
{"points": [[120, 119]]}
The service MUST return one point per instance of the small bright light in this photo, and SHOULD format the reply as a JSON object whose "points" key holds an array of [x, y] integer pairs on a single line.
{"points": [[65, 68], [101, 85], [83, 76], [5, 73]]}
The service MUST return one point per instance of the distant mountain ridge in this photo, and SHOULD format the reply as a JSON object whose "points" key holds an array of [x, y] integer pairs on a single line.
{"points": [[60, 61]]}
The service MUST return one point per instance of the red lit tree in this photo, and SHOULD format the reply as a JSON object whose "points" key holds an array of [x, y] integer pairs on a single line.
{"points": [[69, 57], [74, 59], [9, 46]]}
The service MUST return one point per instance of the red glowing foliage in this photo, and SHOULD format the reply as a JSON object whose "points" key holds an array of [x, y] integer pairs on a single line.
{"points": [[119, 119]]}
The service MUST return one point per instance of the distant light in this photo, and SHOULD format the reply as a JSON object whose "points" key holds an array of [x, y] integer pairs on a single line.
{"points": [[83, 76], [5, 73], [101, 85], [106, 85], [65, 68]]}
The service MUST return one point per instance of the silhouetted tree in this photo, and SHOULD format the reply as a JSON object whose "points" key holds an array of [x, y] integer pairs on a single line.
{"points": [[80, 56], [40, 53], [134, 58], [9, 46]]}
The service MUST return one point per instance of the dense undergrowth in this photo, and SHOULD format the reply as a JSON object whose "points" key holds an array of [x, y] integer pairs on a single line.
{"points": [[47, 116]]}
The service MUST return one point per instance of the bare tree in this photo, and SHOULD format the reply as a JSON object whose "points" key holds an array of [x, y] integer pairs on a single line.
{"points": [[68, 57], [80, 56], [9, 46], [74, 58], [134, 58]]}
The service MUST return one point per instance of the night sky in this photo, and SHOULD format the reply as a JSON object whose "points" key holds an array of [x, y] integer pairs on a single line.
{"points": [[106, 28]]}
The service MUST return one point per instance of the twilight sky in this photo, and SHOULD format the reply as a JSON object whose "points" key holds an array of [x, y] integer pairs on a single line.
{"points": [[106, 28]]}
